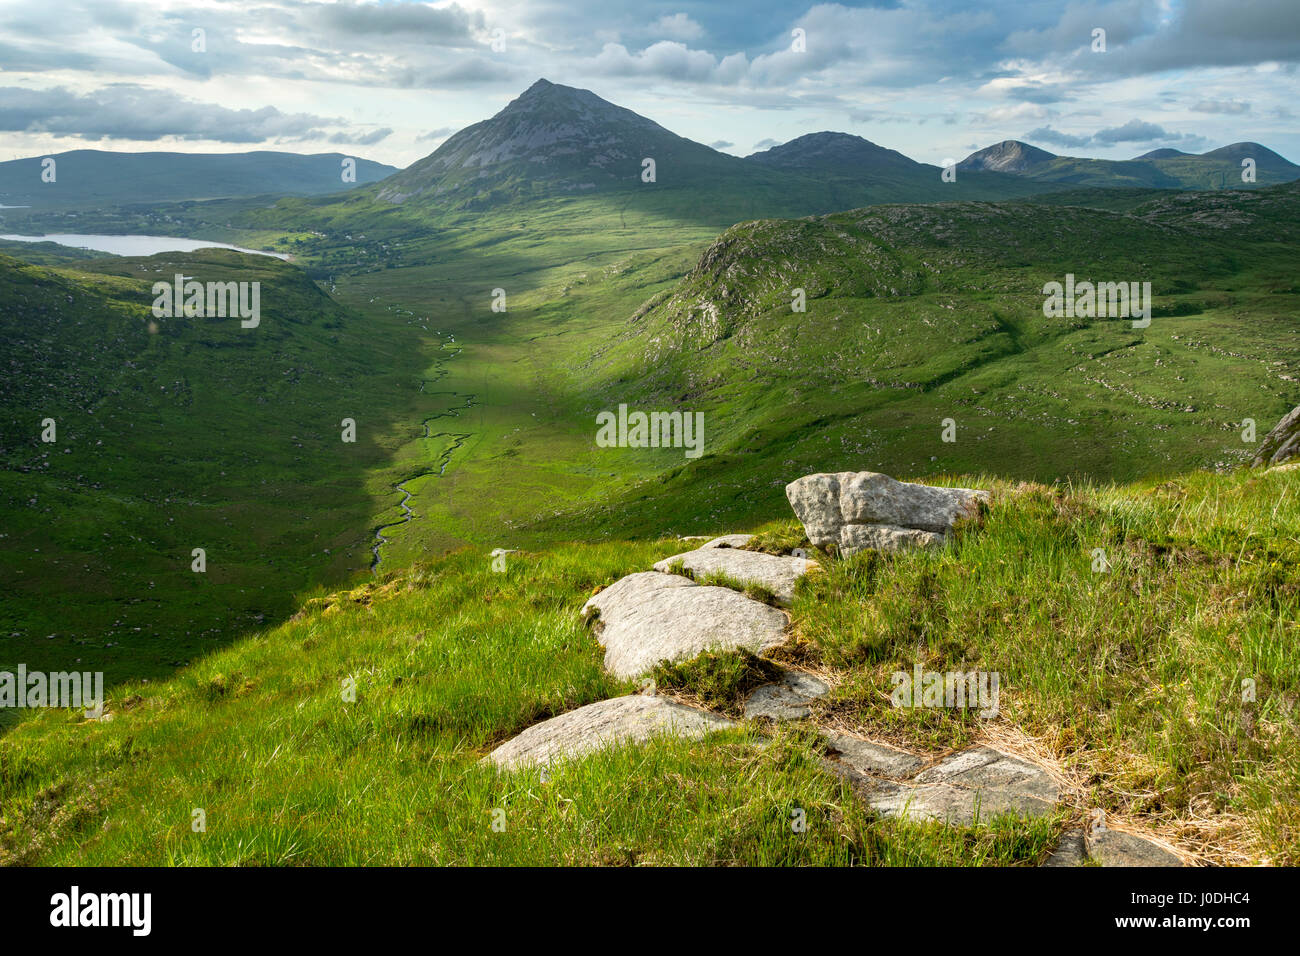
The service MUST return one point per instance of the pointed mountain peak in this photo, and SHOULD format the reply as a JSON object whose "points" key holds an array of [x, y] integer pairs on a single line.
{"points": [[1008, 156], [550, 139]]}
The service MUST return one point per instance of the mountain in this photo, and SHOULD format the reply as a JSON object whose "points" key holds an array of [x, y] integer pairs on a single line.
{"points": [[1167, 153], [555, 140], [1008, 156], [841, 152], [557, 144], [1158, 169], [87, 177]]}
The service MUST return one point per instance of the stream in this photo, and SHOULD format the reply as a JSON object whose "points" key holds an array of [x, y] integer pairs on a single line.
{"points": [[440, 466]]}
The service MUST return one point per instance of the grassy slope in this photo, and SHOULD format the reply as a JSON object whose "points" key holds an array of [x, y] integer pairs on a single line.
{"points": [[1128, 681], [930, 326], [196, 434]]}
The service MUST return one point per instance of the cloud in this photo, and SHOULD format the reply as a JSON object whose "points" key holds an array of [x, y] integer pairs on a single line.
{"points": [[669, 59], [362, 139], [766, 144], [127, 111], [1136, 131], [721, 144], [448, 26], [678, 27], [1045, 134], [1222, 106]]}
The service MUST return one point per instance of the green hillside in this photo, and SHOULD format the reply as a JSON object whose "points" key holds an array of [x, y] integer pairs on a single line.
{"points": [[175, 434], [914, 315], [1127, 683]]}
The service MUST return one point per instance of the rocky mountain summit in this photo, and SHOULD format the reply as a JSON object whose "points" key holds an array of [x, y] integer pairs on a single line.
{"points": [[1008, 156]]}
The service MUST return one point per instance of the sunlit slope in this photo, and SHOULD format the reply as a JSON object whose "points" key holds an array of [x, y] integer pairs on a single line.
{"points": [[918, 317], [1128, 682]]}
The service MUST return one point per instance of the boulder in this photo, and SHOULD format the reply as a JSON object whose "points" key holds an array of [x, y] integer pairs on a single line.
{"points": [[622, 720], [651, 617], [776, 573], [1070, 851], [1283, 442], [787, 699], [885, 537], [968, 787], [865, 509]]}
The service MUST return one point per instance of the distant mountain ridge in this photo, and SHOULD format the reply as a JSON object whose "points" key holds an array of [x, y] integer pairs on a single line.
{"points": [[86, 176], [1160, 168], [832, 150], [560, 140]]}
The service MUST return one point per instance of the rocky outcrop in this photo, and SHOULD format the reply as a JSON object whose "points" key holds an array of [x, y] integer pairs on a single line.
{"points": [[621, 720], [774, 573], [968, 787], [1283, 442], [866, 509], [853, 756], [790, 698], [651, 617], [1097, 844]]}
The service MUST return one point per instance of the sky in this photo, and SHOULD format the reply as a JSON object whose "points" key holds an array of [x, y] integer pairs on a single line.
{"points": [[390, 81]]}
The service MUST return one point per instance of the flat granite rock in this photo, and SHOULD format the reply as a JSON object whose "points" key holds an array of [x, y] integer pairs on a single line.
{"points": [[969, 786], [728, 541], [787, 699], [622, 720], [650, 617], [775, 573], [1070, 851], [1096, 844], [876, 760], [1119, 848], [879, 510]]}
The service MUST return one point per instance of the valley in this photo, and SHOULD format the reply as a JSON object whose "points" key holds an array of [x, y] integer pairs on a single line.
{"points": [[826, 306]]}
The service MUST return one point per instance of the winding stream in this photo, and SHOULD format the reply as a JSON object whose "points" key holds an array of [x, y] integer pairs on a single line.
{"points": [[440, 466]]}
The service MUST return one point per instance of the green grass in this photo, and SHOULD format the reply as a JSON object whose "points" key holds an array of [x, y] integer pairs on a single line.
{"points": [[1129, 681], [175, 434], [915, 315]]}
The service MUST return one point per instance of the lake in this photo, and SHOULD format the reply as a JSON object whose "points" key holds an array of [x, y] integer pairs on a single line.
{"points": [[136, 245]]}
